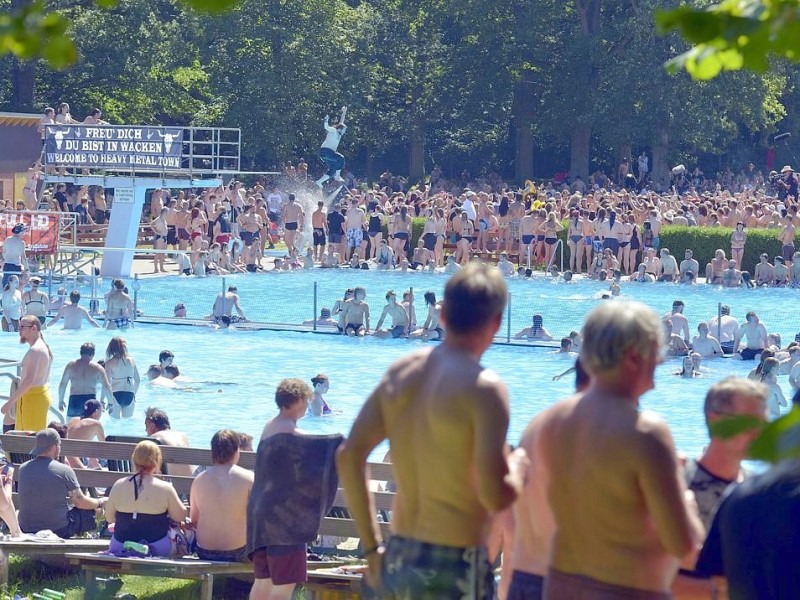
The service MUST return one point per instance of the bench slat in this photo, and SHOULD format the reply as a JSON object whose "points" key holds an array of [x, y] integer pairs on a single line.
{"points": [[347, 528]]}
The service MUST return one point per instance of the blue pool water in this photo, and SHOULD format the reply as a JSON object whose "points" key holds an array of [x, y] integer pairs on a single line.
{"points": [[234, 372], [288, 297]]}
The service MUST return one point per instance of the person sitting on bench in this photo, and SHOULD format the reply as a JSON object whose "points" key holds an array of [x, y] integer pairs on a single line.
{"points": [[222, 534], [141, 506]]}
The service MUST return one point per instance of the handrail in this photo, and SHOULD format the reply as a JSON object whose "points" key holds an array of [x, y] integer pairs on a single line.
{"points": [[100, 250], [559, 247]]}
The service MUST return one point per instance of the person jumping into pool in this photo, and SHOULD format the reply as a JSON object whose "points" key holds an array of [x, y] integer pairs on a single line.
{"points": [[333, 160]]}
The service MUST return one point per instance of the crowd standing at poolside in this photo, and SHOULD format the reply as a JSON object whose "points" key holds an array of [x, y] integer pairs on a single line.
{"points": [[650, 499], [594, 503]]}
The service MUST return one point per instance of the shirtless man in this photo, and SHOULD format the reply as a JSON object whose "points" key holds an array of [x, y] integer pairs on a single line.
{"points": [[516, 211], [786, 238], [680, 323], [183, 219], [224, 305], [527, 237], [160, 230], [690, 268], [73, 314], [780, 272], [287, 564], [86, 425], [621, 487], [222, 534], [119, 307], [755, 333], [250, 225], [319, 223], [354, 229], [446, 493], [293, 221], [171, 219], [675, 346], [716, 268], [764, 272], [83, 376], [731, 277], [704, 344], [356, 316], [14, 261], [400, 322], [31, 399], [669, 266], [156, 424], [725, 328]]}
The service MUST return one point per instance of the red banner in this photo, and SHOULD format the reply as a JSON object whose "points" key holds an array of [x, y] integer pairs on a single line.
{"points": [[41, 230]]}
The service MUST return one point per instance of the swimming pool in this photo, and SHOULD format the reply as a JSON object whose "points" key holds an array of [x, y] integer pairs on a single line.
{"points": [[288, 298], [235, 372]]}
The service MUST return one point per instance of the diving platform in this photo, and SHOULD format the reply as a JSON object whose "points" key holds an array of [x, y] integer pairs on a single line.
{"points": [[133, 159]]}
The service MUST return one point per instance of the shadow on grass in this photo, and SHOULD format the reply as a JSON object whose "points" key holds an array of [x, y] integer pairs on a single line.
{"points": [[28, 576]]}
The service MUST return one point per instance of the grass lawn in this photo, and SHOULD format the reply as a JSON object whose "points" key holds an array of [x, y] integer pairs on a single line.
{"points": [[27, 577]]}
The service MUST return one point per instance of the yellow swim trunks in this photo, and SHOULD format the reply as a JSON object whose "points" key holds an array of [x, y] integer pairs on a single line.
{"points": [[32, 409]]}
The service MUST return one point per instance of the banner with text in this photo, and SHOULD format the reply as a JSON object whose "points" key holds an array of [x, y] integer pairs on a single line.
{"points": [[41, 230], [136, 148]]}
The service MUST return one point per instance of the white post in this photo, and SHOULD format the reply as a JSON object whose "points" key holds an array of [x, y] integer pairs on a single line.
{"points": [[123, 231]]}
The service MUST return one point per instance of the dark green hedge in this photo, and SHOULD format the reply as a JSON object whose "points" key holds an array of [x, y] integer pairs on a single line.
{"points": [[704, 241]]}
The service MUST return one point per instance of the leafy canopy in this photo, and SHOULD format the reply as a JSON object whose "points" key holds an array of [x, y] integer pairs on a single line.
{"points": [[34, 32], [733, 34]]}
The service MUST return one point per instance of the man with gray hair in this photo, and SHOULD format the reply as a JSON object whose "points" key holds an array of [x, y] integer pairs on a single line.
{"points": [[624, 519], [720, 465], [725, 328]]}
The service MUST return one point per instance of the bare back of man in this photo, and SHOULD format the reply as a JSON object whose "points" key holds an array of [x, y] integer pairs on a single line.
{"points": [[618, 450], [87, 428], [168, 437], [218, 486], [74, 315], [437, 398]]}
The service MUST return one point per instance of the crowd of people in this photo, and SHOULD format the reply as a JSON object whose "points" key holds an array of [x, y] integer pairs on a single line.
{"points": [[625, 466], [595, 502]]}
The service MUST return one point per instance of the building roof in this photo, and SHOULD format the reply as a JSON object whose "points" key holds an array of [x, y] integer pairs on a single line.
{"points": [[20, 119]]}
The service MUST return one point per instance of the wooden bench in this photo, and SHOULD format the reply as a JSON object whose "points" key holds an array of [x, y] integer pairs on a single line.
{"points": [[35, 549], [79, 551]]}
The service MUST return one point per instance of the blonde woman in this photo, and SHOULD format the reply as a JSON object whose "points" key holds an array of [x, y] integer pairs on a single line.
{"points": [[550, 229], [142, 505]]}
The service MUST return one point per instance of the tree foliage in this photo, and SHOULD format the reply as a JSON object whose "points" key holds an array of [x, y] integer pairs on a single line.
{"points": [[734, 34], [521, 86]]}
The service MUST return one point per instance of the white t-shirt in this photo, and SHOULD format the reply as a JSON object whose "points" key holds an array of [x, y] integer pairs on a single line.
{"points": [[333, 137], [469, 207], [274, 201]]}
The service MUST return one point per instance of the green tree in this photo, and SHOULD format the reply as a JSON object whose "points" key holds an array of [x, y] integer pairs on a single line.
{"points": [[732, 34]]}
